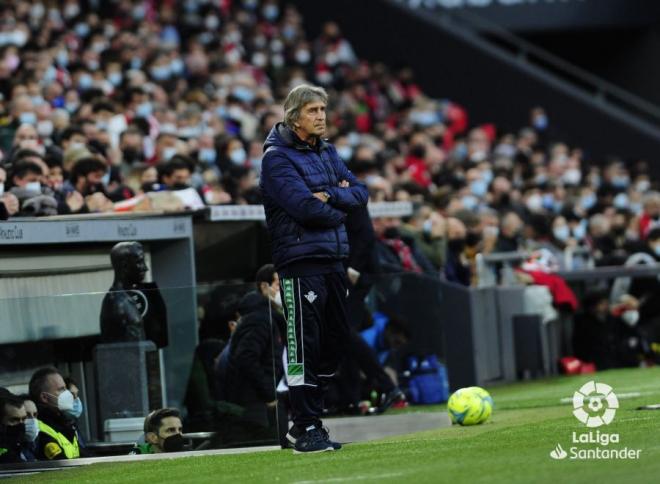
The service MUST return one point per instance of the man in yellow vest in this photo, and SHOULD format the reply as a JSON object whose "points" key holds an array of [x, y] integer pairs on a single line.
{"points": [[57, 431]]}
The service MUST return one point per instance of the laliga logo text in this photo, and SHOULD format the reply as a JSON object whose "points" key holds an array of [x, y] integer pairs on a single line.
{"points": [[595, 405]]}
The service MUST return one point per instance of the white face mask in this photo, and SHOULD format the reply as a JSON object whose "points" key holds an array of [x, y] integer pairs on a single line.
{"points": [[31, 429], [2, 188], [33, 186], [64, 401], [277, 299]]}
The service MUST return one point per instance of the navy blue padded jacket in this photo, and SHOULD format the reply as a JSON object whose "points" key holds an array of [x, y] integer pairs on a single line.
{"points": [[301, 226]]}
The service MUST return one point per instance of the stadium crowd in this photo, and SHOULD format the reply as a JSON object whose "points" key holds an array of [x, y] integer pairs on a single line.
{"points": [[104, 102], [132, 105]]}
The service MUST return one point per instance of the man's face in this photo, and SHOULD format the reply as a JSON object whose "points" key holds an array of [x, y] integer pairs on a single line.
{"points": [[53, 387], [55, 177], [271, 290], [178, 177], [26, 133], [168, 426], [95, 178], [312, 120], [14, 416], [76, 139], [27, 178]]}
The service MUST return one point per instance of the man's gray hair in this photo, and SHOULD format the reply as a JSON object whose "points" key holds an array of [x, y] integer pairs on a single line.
{"points": [[298, 98]]}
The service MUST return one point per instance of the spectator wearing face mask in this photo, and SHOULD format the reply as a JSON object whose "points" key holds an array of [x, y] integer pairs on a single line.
{"points": [[163, 432], [78, 408], [31, 427], [176, 173], [13, 417], [57, 438], [34, 199], [397, 252], [609, 336], [9, 204], [89, 177]]}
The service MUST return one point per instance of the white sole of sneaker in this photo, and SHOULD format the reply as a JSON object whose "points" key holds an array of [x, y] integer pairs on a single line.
{"points": [[328, 449]]}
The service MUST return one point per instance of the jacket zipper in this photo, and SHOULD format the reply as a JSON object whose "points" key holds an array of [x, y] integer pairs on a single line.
{"points": [[323, 162]]}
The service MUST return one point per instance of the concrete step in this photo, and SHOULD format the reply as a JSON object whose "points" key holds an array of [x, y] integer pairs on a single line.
{"points": [[362, 429]]}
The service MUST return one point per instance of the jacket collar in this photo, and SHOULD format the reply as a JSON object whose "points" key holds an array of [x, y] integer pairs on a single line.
{"points": [[292, 140]]}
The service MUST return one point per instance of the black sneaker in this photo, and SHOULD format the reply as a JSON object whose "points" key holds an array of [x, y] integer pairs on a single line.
{"points": [[312, 441], [326, 434], [296, 432]]}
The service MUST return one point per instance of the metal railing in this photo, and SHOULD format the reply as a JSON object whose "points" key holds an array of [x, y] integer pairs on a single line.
{"points": [[497, 268], [526, 52]]}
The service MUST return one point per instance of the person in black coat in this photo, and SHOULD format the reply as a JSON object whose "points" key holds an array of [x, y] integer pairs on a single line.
{"points": [[251, 364]]}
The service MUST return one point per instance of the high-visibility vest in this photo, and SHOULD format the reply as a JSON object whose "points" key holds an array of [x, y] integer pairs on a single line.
{"points": [[71, 450]]}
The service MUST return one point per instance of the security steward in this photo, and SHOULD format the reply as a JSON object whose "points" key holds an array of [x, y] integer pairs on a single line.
{"points": [[57, 432]]}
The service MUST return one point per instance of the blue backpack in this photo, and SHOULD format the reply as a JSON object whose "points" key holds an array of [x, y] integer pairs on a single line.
{"points": [[428, 380]]}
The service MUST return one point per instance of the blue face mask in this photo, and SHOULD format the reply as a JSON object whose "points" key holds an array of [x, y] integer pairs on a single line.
{"points": [[177, 66], [588, 201], [85, 81], [160, 73], [621, 201], [561, 233], [656, 249], [115, 78], [461, 151], [28, 118], [143, 110], [238, 156], [541, 122], [548, 201], [207, 155], [77, 409], [345, 152], [479, 188], [579, 231], [469, 202], [620, 181], [243, 93], [271, 12]]}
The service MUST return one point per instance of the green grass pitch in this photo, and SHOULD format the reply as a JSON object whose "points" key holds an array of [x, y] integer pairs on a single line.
{"points": [[513, 447]]}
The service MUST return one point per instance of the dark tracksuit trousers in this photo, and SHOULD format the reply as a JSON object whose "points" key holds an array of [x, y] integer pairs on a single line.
{"points": [[316, 337]]}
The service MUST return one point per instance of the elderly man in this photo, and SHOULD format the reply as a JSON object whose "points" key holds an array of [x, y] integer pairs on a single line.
{"points": [[307, 193]]}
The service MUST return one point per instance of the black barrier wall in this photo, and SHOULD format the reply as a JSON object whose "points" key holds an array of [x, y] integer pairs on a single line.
{"points": [[493, 87]]}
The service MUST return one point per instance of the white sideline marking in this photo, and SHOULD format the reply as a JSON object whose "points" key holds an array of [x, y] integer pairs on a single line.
{"points": [[352, 478], [619, 395]]}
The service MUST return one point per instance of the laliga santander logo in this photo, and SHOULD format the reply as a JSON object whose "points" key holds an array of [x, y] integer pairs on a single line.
{"points": [[601, 402]]}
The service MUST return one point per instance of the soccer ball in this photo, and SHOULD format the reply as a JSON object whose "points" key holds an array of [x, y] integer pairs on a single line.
{"points": [[486, 398], [470, 406]]}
